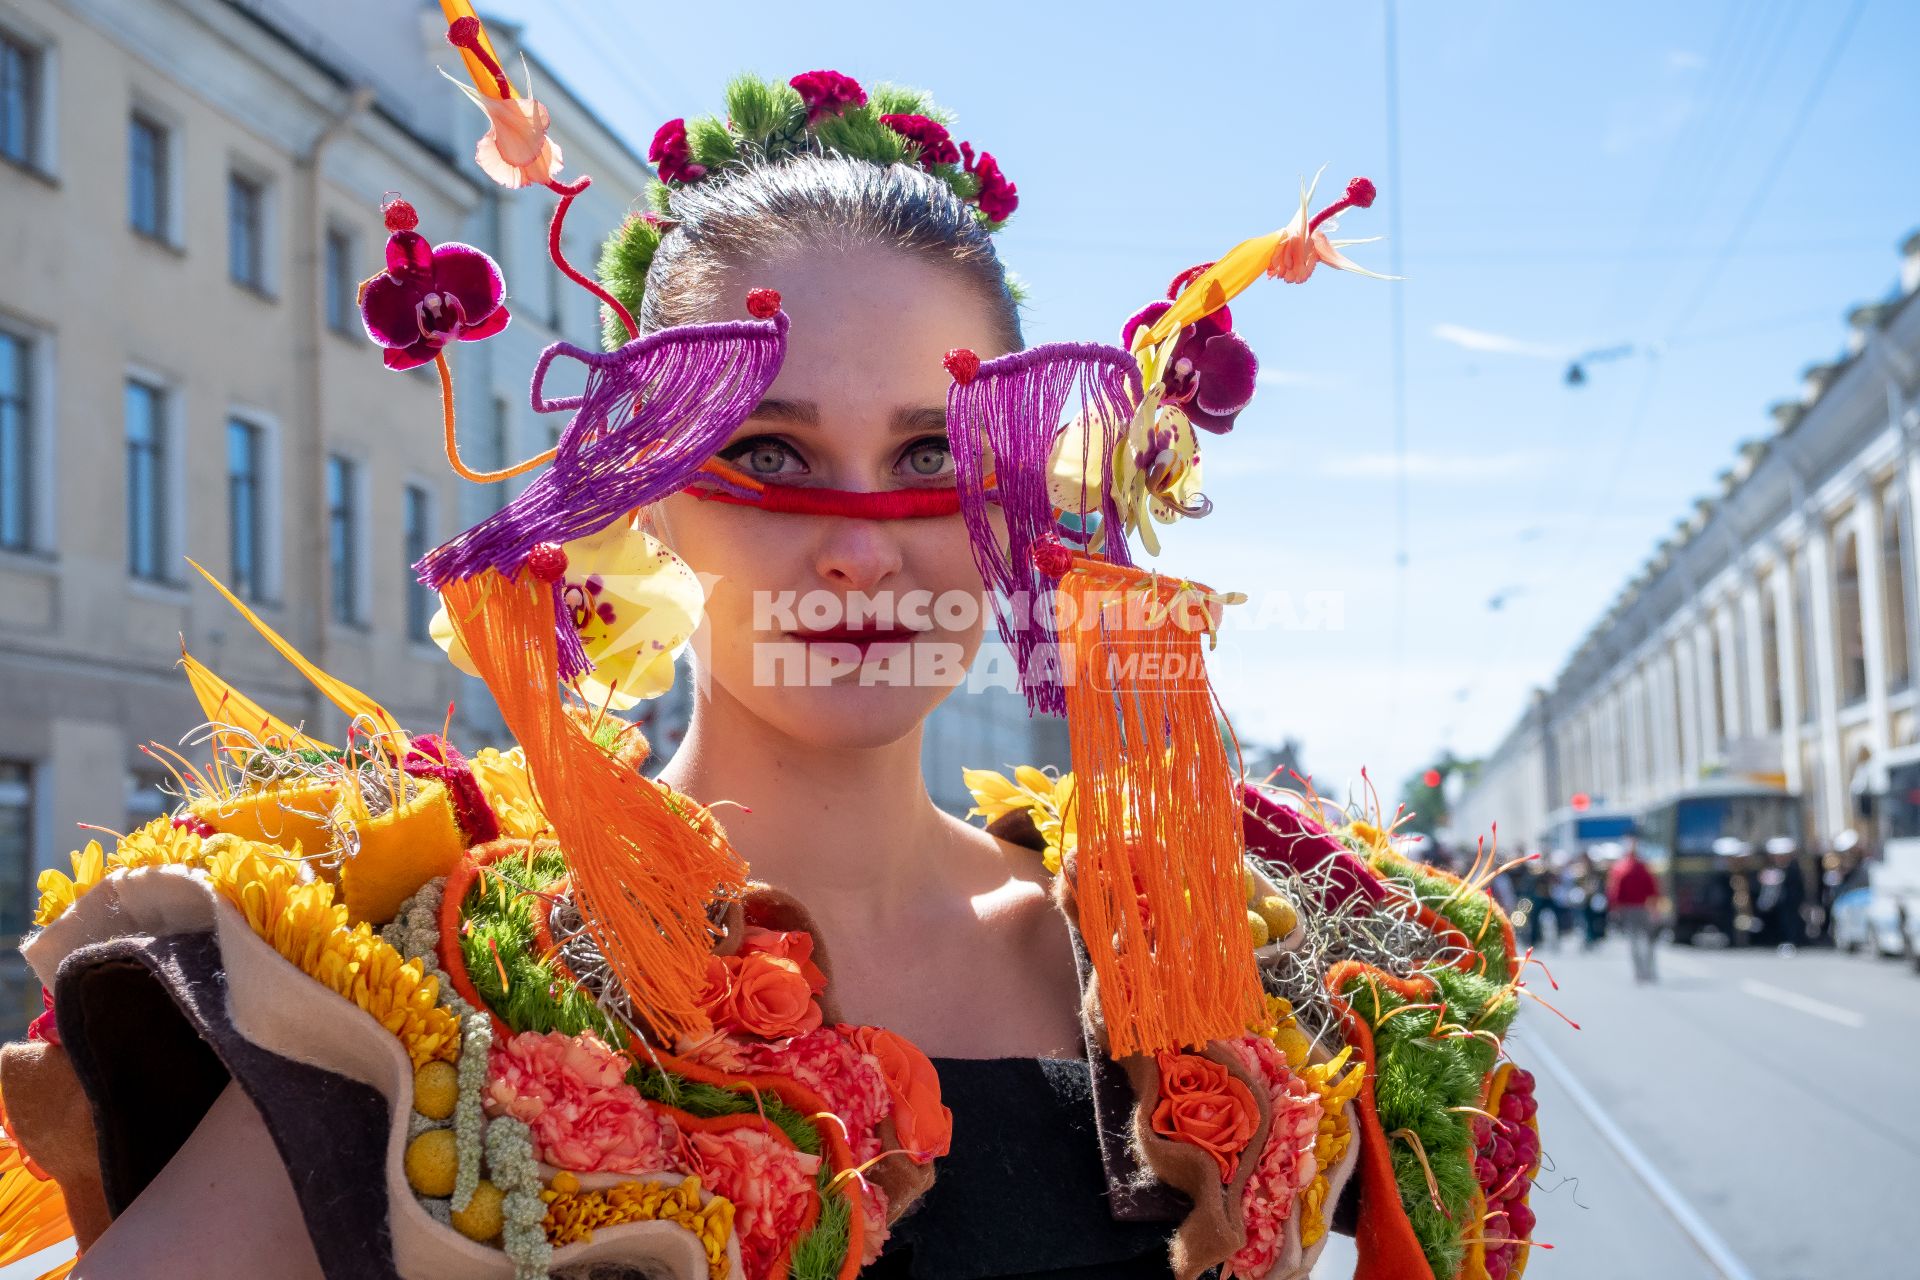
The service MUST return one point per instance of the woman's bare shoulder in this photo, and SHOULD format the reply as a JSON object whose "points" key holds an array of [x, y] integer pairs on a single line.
{"points": [[182, 1225]]}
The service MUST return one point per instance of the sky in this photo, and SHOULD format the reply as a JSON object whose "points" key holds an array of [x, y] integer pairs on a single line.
{"points": [[1712, 184]]}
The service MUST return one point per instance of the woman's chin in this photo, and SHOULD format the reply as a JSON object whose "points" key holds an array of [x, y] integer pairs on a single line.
{"points": [[846, 713]]}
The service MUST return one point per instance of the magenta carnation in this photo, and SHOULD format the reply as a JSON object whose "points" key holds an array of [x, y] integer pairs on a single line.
{"points": [[935, 143], [671, 154], [998, 198], [572, 1093], [827, 93]]}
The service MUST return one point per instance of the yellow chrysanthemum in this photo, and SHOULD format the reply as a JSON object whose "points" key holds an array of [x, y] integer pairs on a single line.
{"points": [[503, 779], [58, 893], [160, 844], [574, 1215], [299, 919]]}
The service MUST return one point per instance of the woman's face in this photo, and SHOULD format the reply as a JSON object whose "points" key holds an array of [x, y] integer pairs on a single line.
{"points": [[835, 630]]}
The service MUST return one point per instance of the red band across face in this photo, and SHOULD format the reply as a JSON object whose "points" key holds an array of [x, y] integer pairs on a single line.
{"points": [[890, 504]]}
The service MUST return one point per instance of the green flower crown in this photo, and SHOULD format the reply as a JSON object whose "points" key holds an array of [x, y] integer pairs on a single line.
{"points": [[820, 113]]}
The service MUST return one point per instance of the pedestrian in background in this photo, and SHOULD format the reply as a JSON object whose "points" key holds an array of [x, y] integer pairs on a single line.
{"points": [[1632, 892]]}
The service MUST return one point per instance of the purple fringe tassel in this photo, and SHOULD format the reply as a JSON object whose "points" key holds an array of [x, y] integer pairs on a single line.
{"points": [[651, 414], [1016, 406]]}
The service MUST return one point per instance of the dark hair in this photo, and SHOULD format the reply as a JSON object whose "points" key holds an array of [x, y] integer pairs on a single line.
{"points": [[815, 201]]}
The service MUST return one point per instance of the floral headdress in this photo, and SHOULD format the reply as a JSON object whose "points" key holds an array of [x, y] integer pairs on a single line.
{"points": [[814, 113]]}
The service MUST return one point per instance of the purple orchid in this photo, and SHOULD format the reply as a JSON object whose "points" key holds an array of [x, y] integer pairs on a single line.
{"points": [[429, 295], [1211, 376]]}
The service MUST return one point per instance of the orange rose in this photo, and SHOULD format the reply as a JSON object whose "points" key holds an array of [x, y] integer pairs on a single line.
{"points": [[1204, 1104], [761, 995], [925, 1126], [794, 944]]}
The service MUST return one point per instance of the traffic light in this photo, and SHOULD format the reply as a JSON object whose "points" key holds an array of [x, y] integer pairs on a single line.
{"points": [[1582, 802], [1431, 777]]}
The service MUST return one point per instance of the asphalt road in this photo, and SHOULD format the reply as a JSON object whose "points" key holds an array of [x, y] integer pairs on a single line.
{"points": [[1751, 1116]]}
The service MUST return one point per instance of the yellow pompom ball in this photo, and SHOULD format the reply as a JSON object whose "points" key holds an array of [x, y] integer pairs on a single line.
{"points": [[432, 1160], [436, 1088], [482, 1218], [1248, 884], [1258, 924], [1280, 916]]}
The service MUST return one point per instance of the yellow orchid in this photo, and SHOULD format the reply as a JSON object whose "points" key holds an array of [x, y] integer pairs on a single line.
{"points": [[1156, 472], [635, 604], [58, 893]]}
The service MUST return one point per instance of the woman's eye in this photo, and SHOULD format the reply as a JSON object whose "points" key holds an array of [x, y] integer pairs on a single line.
{"points": [[929, 457], [765, 456]]}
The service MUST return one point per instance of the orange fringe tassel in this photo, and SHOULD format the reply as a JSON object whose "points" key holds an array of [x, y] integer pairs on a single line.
{"points": [[644, 874], [1157, 877]]}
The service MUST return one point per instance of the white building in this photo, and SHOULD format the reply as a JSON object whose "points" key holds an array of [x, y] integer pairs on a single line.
{"points": [[1774, 634], [189, 196]]}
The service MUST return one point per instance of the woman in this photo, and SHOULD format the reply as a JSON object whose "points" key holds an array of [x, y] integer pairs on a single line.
{"points": [[827, 635]]}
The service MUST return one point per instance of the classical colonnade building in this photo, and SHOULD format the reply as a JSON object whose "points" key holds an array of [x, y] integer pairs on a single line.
{"points": [[1774, 635]]}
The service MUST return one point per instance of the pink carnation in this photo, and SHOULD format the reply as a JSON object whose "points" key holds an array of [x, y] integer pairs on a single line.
{"points": [[873, 1213], [824, 1060], [572, 1093], [848, 1081], [1286, 1166], [769, 1183], [827, 93]]}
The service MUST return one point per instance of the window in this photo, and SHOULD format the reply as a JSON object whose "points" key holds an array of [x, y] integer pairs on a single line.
{"points": [[1893, 589], [341, 287], [16, 442], [245, 505], [150, 178], [343, 537], [419, 542], [20, 78], [146, 410], [16, 851], [247, 231], [1849, 632], [148, 797]]}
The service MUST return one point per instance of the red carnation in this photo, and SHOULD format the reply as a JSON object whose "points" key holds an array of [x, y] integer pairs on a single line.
{"points": [[827, 93], [998, 198], [935, 143], [672, 156]]}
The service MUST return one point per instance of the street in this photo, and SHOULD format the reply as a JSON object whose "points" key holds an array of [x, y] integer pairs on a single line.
{"points": [[1751, 1115]]}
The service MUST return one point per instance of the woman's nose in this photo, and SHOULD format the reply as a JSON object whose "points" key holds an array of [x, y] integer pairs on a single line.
{"points": [[858, 555]]}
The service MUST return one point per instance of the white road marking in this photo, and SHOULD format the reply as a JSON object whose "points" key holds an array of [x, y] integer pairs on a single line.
{"points": [[1704, 1237], [1805, 1004]]}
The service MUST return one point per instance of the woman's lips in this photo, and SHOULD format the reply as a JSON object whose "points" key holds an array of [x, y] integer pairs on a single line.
{"points": [[863, 639]]}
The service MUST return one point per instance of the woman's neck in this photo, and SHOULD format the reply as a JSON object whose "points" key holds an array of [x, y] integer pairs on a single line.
{"points": [[843, 823]]}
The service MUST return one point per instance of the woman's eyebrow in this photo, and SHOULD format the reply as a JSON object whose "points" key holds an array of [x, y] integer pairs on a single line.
{"points": [[802, 413], [929, 418]]}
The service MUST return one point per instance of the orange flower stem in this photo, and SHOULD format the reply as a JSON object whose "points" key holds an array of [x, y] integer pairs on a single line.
{"points": [[452, 442]]}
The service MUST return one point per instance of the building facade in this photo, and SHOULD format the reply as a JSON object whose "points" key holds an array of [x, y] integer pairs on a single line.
{"points": [[190, 194], [1774, 635]]}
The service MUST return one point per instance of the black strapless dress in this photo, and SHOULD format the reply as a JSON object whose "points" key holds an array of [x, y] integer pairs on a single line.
{"points": [[1023, 1192]]}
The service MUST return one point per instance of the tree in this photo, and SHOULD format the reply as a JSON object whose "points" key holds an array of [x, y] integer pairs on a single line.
{"points": [[1424, 794]]}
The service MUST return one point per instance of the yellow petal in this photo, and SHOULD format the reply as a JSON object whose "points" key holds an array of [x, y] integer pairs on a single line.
{"points": [[1218, 285]]}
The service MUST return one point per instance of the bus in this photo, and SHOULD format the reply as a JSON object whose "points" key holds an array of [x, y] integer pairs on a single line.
{"points": [[1896, 791], [1708, 845], [1572, 832]]}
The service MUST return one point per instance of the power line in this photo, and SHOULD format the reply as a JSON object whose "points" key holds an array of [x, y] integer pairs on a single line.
{"points": [[1397, 321]]}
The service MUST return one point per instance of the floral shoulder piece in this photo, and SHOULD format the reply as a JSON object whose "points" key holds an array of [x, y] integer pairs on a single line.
{"points": [[406, 916], [1368, 961]]}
